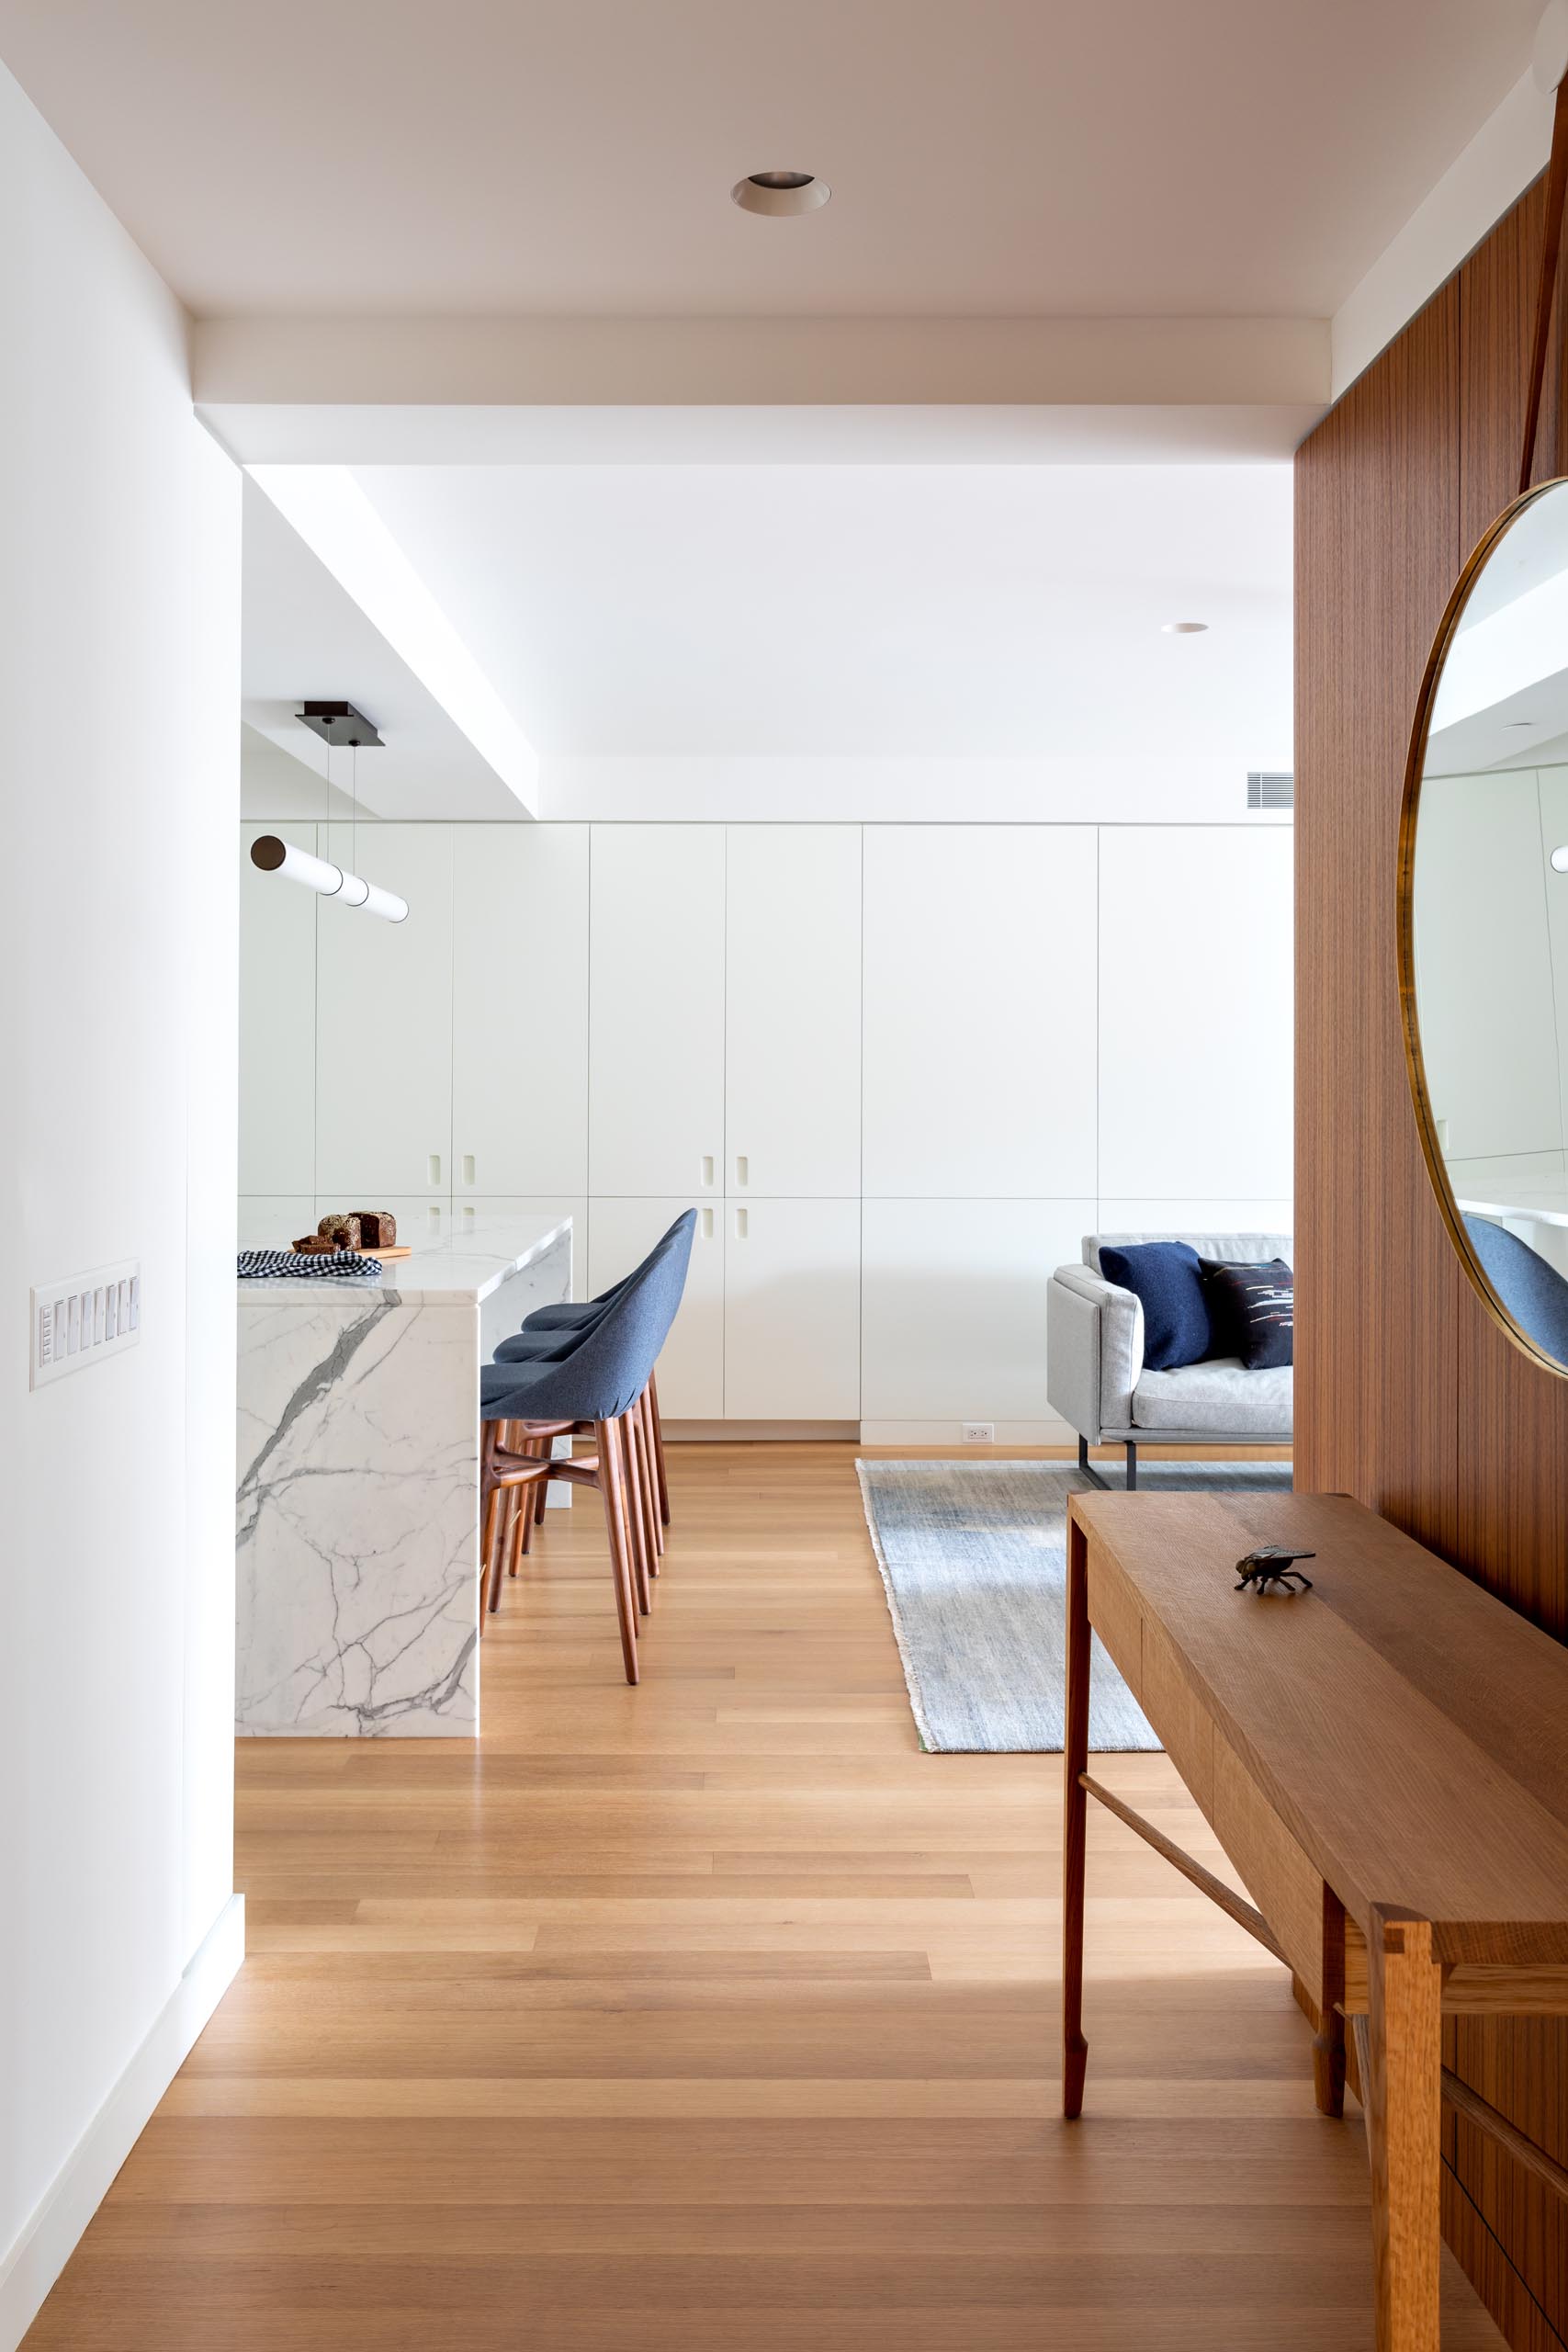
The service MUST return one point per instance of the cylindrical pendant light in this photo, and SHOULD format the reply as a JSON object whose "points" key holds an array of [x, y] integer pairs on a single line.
{"points": [[275, 855]]}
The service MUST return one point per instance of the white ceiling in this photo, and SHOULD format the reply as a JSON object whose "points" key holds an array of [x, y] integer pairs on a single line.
{"points": [[304, 638], [976, 612], [1224, 158]]}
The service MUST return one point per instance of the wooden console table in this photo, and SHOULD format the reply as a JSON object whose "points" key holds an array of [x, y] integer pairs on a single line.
{"points": [[1385, 1760]]}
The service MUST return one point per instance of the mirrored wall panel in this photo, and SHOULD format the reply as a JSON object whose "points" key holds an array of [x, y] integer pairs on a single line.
{"points": [[1484, 928]]}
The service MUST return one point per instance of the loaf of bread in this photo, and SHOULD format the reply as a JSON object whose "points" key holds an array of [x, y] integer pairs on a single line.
{"points": [[343, 1232], [378, 1229], [314, 1245]]}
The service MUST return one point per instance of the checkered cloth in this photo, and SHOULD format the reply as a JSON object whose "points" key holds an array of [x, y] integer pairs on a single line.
{"points": [[254, 1265]]}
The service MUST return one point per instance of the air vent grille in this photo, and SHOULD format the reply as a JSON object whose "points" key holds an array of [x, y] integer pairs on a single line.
{"points": [[1269, 790]]}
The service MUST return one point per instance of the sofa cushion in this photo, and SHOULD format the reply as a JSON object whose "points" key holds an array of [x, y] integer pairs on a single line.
{"points": [[1220, 1396], [1164, 1275], [1253, 1311]]}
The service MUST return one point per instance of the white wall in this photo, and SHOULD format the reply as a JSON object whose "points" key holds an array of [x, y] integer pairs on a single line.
{"points": [[1106, 788], [118, 687]]}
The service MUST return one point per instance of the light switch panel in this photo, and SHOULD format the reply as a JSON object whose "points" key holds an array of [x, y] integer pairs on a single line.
{"points": [[84, 1319]]}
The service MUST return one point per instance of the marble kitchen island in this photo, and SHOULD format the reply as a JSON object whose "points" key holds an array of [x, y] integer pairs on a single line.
{"points": [[357, 1523]]}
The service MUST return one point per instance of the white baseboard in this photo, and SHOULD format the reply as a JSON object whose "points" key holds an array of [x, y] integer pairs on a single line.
{"points": [[1048, 1430], [44, 2245], [749, 1433]]}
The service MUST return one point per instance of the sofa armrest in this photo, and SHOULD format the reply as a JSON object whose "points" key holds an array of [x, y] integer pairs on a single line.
{"points": [[1094, 1350]]}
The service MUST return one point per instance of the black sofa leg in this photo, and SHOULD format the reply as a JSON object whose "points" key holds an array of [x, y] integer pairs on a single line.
{"points": [[1087, 1466], [1132, 1468]]}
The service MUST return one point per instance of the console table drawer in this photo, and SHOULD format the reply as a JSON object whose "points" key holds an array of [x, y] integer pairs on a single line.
{"points": [[1280, 1880]]}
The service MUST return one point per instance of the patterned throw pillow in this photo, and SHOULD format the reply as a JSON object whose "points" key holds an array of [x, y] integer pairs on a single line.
{"points": [[1252, 1310]]}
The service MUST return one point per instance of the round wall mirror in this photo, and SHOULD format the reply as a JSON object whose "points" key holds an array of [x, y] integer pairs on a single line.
{"points": [[1483, 920]]}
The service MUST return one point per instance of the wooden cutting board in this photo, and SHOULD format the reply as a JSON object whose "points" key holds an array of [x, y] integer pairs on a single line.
{"points": [[397, 1249]]}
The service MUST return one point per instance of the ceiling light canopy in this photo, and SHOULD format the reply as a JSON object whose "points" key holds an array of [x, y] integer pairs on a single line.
{"points": [[780, 194], [1182, 629]]}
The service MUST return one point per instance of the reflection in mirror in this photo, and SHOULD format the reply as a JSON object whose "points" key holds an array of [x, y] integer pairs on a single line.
{"points": [[1487, 943]]}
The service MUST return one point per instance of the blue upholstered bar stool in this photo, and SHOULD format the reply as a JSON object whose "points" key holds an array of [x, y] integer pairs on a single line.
{"points": [[597, 1384], [549, 1328]]}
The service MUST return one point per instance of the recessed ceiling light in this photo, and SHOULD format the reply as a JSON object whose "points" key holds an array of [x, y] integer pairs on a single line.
{"points": [[1182, 629], [780, 193]]}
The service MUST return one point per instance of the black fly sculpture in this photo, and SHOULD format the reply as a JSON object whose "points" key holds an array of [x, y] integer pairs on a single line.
{"points": [[1270, 1563]]}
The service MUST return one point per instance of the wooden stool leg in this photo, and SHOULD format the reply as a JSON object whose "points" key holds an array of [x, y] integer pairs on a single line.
{"points": [[490, 1533], [496, 1552], [658, 1449], [612, 1491], [632, 1489], [1075, 1835], [647, 1501], [523, 1537], [650, 1468], [1405, 2127]]}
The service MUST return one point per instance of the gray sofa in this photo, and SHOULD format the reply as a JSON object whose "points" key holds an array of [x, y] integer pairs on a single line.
{"points": [[1094, 1364]]}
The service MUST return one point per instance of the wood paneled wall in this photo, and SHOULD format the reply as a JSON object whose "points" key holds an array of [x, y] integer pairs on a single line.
{"points": [[1407, 1393]]}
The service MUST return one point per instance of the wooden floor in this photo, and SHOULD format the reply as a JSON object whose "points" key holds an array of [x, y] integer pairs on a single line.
{"points": [[715, 2016]]}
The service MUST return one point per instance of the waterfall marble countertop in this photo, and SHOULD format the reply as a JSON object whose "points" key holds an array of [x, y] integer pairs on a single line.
{"points": [[462, 1268], [357, 1533]]}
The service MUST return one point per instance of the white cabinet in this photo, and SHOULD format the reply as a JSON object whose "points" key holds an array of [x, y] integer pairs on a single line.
{"points": [[277, 1024], [954, 1304], [519, 1009], [793, 1010], [1195, 1012], [271, 1221], [421, 1218], [691, 1370], [656, 1012], [792, 1278], [384, 1020], [980, 1011]]}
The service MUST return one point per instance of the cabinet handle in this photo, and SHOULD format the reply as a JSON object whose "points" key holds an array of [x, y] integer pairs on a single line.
{"points": [[740, 1225], [467, 1168], [707, 1168], [436, 1168], [742, 1168], [707, 1225]]}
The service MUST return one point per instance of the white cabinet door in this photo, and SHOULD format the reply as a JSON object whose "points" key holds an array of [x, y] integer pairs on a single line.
{"points": [[384, 1020], [980, 1011], [1195, 1012], [423, 1219], [277, 1024], [656, 1012], [520, 1008], [792, 1059], [792, 1310], [953, 1300], [691, 1370]]}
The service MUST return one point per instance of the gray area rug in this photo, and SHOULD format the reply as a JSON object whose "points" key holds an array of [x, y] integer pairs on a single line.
{"points": [[973, 1558]]}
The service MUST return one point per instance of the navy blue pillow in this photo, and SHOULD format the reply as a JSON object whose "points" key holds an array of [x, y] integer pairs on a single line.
{"points": [[1165, 1275]]}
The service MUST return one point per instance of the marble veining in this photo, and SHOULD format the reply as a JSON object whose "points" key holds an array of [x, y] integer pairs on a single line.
{"points": [[357, 1506]]}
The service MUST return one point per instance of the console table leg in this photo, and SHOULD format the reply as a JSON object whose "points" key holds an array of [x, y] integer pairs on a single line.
{"points": [[1075, 1828], [1328, 2046], [1403, 2123]]}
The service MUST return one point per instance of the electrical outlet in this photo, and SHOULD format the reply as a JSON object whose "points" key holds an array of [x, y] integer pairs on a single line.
{"points": [[979, 1432]]}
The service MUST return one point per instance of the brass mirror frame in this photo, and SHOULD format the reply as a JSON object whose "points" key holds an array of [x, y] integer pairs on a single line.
{"points": [[1410, 805]]}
